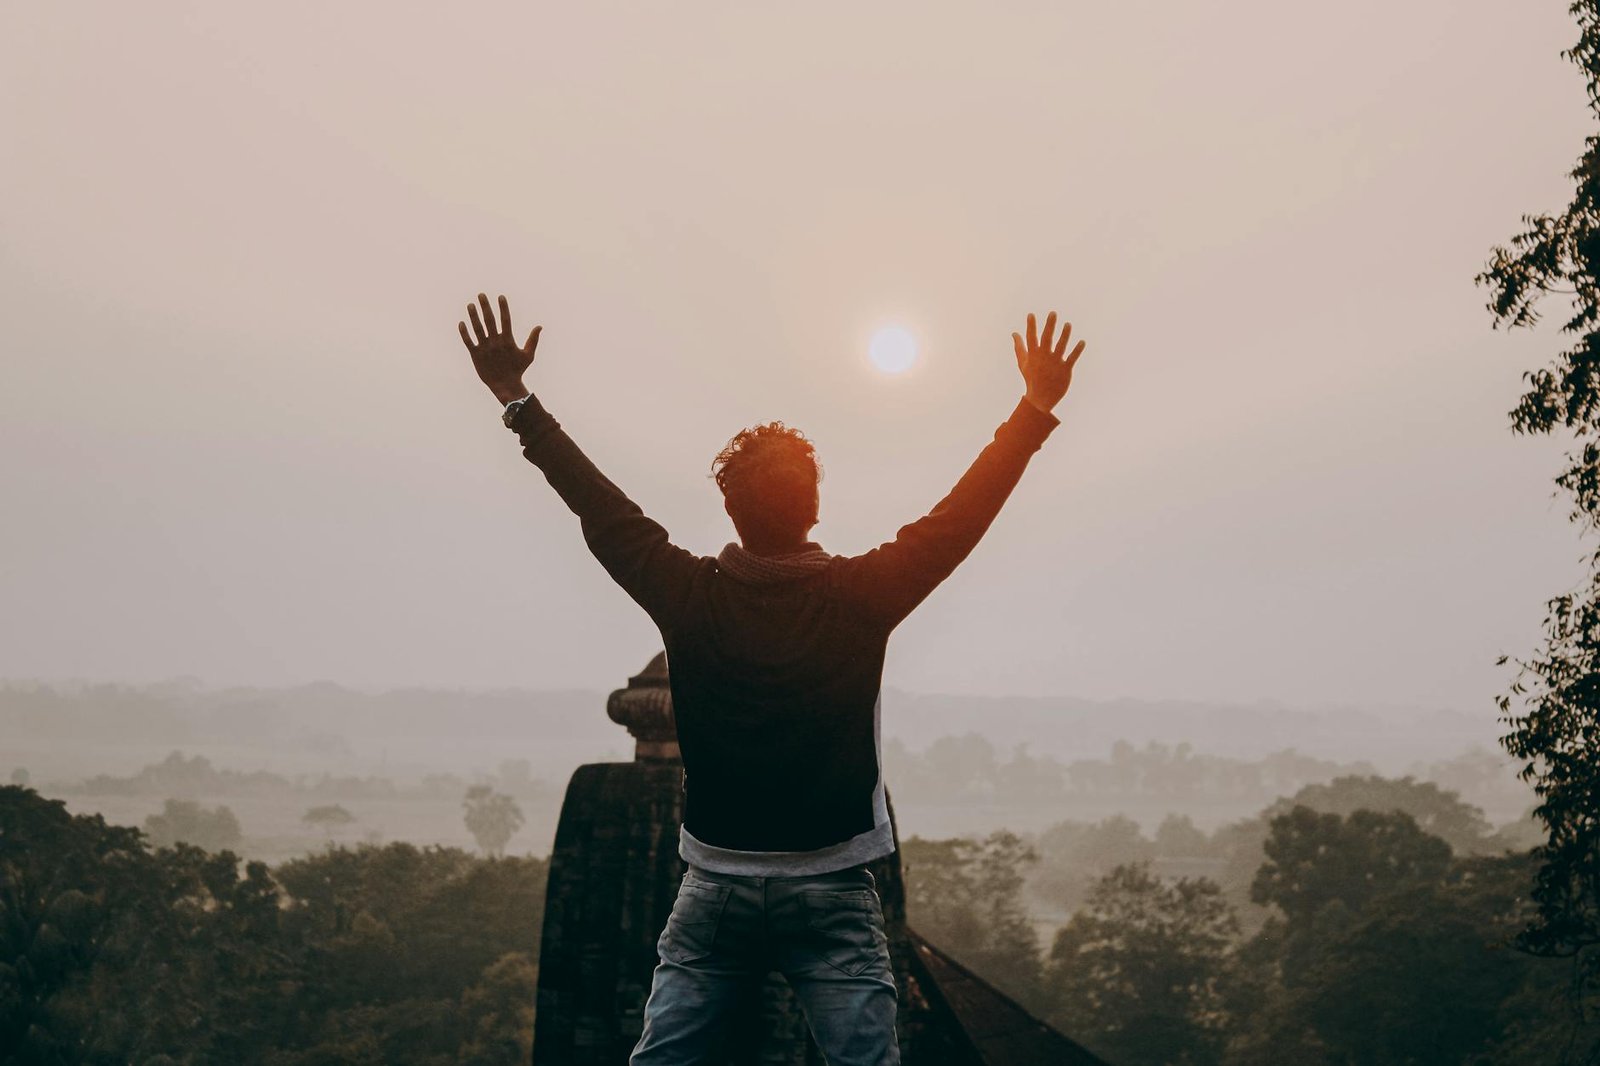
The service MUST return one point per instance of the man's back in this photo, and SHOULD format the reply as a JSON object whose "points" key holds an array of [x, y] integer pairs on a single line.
{"points": [[775, 688]]}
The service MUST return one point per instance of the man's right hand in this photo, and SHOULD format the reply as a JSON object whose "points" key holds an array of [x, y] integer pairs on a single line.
{"points": [[1044, 371], [496, 357]]}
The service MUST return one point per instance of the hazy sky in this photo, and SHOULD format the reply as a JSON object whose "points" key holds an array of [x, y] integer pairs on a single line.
{"points": [[240, 439]]}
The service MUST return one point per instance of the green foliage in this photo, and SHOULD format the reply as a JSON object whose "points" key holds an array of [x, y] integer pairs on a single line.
{"points": [[1380, 947], [1561, 254], [1137, 972], [1421, 973], [1239, 847], [1558, 688], [1323, 871], [1413, 980], [112, 952], [1317, 861], [90, 917], [499, 1013], [1436, 811], [186, 822]]}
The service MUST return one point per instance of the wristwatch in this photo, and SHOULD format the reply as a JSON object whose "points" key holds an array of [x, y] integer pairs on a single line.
{"points": [[513, 409]]}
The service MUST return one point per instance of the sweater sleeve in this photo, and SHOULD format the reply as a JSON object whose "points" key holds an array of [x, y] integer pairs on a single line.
{"points": [[633, 548], [892, 579]]}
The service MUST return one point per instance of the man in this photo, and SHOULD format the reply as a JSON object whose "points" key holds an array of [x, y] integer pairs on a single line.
{"points": [[775, 651]]}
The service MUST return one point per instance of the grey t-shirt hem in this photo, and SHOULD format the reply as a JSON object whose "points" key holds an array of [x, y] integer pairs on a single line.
{"points": [[875, 843]]}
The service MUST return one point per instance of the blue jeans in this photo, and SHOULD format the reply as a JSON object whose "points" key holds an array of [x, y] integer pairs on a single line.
{"points": [[824, 933]]}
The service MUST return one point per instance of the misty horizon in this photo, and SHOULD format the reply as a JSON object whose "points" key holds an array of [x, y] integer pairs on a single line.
{"points": [[1284, 472]]}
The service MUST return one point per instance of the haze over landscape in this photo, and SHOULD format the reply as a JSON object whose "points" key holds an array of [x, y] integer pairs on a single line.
{"points": [[241, 441]]}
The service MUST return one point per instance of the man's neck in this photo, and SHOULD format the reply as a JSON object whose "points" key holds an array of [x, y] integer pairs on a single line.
{"points": [[771, 550]]}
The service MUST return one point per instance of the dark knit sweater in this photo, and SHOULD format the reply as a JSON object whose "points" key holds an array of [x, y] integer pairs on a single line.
{"points": [[775, 683]]}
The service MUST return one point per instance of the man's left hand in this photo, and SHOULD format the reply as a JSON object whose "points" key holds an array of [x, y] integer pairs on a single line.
{"points": [[496, 357]]}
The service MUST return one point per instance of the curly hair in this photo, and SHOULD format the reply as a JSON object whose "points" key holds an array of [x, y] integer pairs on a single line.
{"points": [[769, 476]]}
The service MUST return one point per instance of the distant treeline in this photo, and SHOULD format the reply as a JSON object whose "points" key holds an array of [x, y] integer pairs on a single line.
{"points": [[194, 775], [315, 727], [1072, 855], [309, 725], [967, 768]]}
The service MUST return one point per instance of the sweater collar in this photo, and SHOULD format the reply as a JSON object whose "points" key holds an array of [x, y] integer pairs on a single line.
{"points": [[753, 569]]}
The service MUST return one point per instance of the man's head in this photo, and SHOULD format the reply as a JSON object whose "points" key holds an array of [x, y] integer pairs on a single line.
{"points": [[768, 475]]}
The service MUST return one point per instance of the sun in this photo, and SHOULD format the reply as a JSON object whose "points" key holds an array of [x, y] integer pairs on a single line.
{"points": [[893, 349]]}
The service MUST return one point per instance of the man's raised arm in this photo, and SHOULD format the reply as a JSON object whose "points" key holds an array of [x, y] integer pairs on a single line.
{"points": [[890, 580], [634, 549]]}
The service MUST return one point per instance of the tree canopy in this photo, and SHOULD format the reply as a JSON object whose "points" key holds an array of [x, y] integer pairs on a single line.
{"points": [[114, 952]]}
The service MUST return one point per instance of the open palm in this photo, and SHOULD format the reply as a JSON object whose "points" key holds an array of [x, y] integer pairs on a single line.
{"points": [[495, 355], [1046, 367]]}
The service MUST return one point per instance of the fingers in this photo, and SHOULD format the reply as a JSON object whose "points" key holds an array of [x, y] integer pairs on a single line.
{"points": [[477, 323], [1016, 340], [488, 315], [533, 341], [1047, 342], [1033, 332], [1066, 335], [505, 317], [462, 326], [1073, 358]]}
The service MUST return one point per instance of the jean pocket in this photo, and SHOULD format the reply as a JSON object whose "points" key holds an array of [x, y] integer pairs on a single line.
{"points": [[845, 929], [691, 930]]}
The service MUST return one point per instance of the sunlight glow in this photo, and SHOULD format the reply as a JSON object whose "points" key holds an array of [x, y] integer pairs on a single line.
{"points": [[893, 350]]}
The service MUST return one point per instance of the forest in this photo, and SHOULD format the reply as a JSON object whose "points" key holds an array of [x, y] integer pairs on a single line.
{"points": [[1366, 920]]}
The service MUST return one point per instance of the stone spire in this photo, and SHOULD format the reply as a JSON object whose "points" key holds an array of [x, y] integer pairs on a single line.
{"points": [[644, 708]]}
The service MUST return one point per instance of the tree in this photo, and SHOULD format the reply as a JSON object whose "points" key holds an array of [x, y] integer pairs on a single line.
{"points": [[492, 818], [1323, 870], [1137, 973], [966, 897], [1435, 810], [964, 765], [1555, 730], [1178, 837], [1315, 861], [1414, 980], [328, 818], [500, 1009], [1073, 855], [186, 822]]}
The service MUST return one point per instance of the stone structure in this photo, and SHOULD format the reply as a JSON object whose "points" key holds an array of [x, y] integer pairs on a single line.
{"points": [[614, 874]]}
